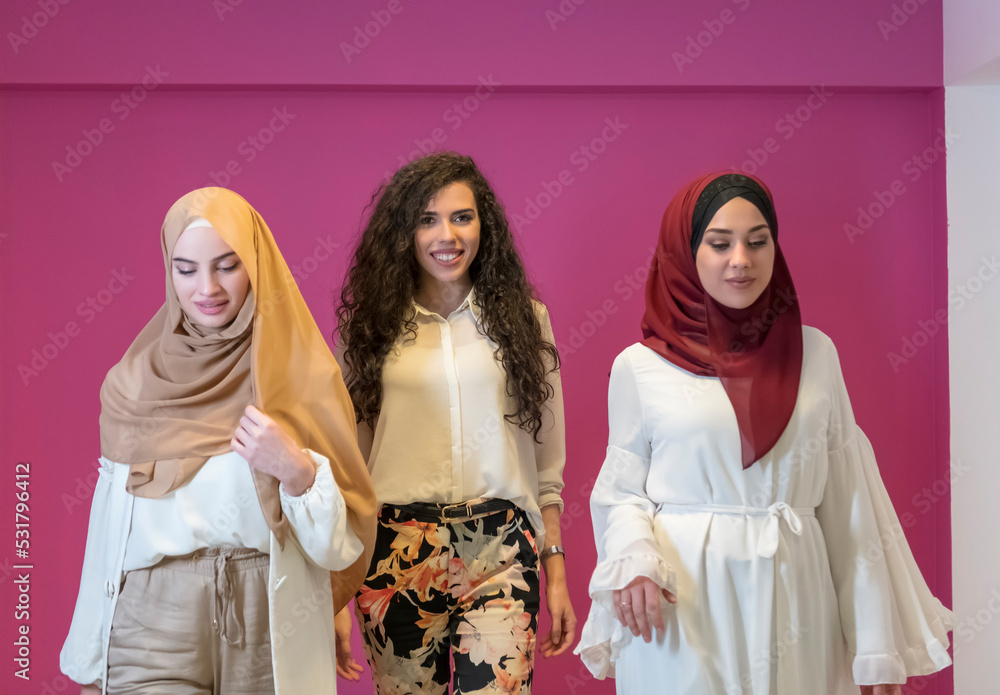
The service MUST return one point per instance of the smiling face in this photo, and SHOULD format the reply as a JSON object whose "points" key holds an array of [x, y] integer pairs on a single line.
{"points": [[736, 256], [210, 279], [447, 239]]}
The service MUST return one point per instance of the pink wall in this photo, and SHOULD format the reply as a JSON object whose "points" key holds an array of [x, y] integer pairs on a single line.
{"points": [[447, 42], [587, 244]]}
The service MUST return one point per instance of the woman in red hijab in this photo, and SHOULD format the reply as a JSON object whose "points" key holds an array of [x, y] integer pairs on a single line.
{"points": [[742, 528]]}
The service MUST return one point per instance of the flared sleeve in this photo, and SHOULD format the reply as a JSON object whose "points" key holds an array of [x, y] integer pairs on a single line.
{"points": [[894, 626], [622, 515]]}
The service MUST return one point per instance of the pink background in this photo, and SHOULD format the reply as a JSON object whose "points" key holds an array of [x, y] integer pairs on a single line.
{"points": [[587, 245]]}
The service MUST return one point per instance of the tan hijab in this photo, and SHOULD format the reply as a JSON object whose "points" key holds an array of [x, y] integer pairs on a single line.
{"points": [[177, 395]]}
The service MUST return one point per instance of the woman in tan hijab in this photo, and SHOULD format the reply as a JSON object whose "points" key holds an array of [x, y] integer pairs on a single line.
{"points": [[234, 514]]}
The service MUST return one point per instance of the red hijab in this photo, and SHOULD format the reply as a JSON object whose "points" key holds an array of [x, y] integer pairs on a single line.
{"points": [[756, 352]]}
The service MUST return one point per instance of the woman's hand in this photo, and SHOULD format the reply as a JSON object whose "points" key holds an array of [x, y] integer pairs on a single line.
{"points": [[267, 447], [889, 689], [563, 630], [91, 689], [638, 606], [347, 667]]}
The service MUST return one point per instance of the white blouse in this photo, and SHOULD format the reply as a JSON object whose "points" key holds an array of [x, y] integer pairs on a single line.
{"points": [[791, 576], [441, 435], [217, 508], [321, 541]]}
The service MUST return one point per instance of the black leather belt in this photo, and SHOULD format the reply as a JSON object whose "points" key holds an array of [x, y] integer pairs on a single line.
{"points": [[431, 511]]}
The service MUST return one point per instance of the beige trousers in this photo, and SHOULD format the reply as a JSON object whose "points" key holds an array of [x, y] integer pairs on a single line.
{"points": [[194, 625]]}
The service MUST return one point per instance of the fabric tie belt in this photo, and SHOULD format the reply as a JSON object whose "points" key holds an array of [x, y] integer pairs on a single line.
{"points": [[767, 542]]}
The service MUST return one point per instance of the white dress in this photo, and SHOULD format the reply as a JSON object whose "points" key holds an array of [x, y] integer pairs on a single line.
{"points": [[792, 576]]}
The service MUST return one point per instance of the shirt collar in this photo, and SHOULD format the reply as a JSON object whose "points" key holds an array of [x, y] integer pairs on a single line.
{"points": [[468, 304]]}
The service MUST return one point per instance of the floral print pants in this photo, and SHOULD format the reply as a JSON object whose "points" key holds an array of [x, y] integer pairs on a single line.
{"points": [[464, 590]]}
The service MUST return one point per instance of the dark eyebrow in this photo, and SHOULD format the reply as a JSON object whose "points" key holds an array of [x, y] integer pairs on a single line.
{"points": [[719, 230], [456, 212], [214, 260]]}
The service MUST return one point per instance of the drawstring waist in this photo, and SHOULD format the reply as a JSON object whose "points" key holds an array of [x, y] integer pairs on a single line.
{"points": [[767, 542], [225, 613], [223, 564]]}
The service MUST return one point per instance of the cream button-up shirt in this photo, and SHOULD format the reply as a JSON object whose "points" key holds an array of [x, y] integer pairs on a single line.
{"points": [[441, 435]]}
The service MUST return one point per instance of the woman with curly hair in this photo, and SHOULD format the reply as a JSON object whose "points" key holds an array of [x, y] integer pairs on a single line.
{"points": [[453, 370]]}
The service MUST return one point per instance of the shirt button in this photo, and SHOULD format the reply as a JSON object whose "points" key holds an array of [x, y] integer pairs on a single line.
{"points": [[215, 623], [109, 589]]}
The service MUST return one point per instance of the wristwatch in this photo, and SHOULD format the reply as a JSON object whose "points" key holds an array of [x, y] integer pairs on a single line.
{"points": [[552, 550]]}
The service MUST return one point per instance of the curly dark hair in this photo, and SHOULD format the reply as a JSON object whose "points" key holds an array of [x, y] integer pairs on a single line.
{"points": [[376, 301]]}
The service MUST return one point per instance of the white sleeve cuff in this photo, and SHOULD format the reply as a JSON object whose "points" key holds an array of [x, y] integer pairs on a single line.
{"points": [[876, 669], [615, 574], [319, 519], [603, 637], [317, 460]]}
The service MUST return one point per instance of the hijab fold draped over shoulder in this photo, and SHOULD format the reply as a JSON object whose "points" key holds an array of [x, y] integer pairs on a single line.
{"points": [[755, 352], [176, 397]]}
